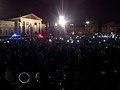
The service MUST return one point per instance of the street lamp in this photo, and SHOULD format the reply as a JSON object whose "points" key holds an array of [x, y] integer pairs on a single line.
{"points": [[87, 23]]}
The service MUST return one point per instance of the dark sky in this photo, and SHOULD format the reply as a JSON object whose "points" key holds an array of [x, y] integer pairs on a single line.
{"points": [[74, 10]]}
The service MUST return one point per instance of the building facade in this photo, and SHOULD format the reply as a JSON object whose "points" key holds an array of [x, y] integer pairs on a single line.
{"points": [[23, 25], [111, 27], [7, 27]]}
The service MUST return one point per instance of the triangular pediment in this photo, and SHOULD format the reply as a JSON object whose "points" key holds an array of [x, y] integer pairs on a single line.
{"points": [[31, 16]]}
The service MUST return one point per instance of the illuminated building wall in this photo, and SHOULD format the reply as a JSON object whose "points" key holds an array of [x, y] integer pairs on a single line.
{"points": [[24, 25], [7, 27]]}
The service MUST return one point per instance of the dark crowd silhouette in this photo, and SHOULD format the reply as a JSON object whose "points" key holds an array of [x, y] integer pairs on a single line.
{"points": [[61, 63]]}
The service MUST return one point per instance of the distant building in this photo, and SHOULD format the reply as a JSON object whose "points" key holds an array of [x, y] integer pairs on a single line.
{"points": [[24, 25], [111, 27], [85, 28], [91, 27]]}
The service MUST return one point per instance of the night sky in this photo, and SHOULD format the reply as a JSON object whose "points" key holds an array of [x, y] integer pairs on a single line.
{"points": [[74, 10]]}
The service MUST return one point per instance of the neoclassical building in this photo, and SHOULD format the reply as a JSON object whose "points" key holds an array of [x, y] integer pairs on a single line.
{"points": [[24, 25]]}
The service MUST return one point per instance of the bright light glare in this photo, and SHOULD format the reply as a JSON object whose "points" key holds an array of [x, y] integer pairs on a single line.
{"points": [[8, 41], [62, 21], [87, 22], [40, 36], [50, 40], [78, 41], [14, 35], [56, 25], [67, 40]]}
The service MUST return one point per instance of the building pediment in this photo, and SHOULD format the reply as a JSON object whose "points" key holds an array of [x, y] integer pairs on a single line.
{"points": [[28, 16], [31, 16]]}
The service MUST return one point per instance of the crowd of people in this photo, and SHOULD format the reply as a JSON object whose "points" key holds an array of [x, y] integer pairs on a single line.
{"points": [[61, 63]]}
